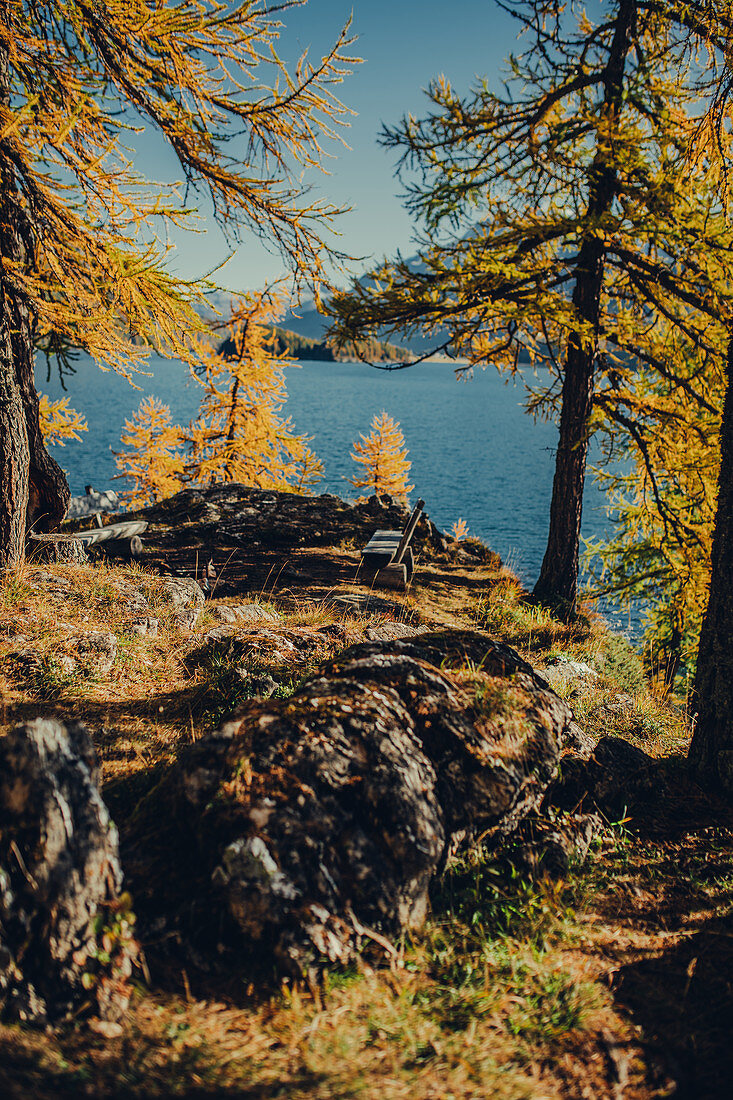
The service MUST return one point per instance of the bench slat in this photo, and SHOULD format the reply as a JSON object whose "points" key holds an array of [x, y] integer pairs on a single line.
{"points": [[383, 542]]}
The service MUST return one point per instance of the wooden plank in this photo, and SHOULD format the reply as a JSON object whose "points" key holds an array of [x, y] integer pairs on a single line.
{"points": [[392, 576], [114, 531], [382, 541]]}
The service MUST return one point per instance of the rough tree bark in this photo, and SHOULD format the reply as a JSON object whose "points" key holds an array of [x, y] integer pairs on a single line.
{"points": [[711, 751], [33, 488], [557, 585]]}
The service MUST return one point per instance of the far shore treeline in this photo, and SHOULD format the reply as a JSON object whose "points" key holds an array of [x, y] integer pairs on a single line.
{"points": [[295, 346]]}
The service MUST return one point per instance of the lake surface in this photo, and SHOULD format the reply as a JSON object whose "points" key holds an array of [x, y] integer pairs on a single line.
{"points": [[475, 453]]}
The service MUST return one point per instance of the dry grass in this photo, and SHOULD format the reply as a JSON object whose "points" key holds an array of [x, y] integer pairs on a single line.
{"points": [[507, 991]]}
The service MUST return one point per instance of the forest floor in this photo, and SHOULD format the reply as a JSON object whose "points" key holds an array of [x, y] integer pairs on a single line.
{"points": [[614, 982]]}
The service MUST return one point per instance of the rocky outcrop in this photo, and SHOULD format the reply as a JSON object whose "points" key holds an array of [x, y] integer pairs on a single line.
{"points": [[92, 502], [237, 526], [319, 821], [183, 593], [233, 614], [65, 935], [617, 779]]}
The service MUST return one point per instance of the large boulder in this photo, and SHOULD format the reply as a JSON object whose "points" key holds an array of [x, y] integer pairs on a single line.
{"points": [[319, 821], [65, 933]]}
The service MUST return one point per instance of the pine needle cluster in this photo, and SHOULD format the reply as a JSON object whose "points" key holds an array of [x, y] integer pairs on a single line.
{"points": [[59, 422]]}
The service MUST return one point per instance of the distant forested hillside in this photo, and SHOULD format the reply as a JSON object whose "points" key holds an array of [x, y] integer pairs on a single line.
{"points": [[302, 347]]}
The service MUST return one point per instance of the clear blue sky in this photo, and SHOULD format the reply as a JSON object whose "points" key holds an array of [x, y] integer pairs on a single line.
{"points": [[404, 44]]}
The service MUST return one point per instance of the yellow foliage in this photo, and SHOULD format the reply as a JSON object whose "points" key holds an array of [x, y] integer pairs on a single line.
{"points": [[206, 76], [239, 434], [154, 461], [662, 456], [383, 455], [459, 530], [59, 423]]}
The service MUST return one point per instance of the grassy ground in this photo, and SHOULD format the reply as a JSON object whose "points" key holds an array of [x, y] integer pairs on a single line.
{"points": [[613, 983]]}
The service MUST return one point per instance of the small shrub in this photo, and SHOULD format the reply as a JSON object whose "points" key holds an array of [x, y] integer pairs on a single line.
{"points": [[553, 1004], [622, 664], [227, 684], [14, 591], [52, 677]]}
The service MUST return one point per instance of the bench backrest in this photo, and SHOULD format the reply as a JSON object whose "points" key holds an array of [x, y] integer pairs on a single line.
{"points": [[408, 533]]}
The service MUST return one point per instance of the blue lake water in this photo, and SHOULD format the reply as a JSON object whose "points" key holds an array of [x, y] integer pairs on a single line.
{"points": [[475, 453]]}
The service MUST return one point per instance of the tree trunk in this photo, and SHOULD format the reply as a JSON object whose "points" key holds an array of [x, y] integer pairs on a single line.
{"points": [[711, 751], [33, 488], [557, 585], [14, 452]]}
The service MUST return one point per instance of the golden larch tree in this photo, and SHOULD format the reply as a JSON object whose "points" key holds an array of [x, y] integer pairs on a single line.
{"points": [[240, 434], [81, 265], [383, 456], [557, 222], [154, 460]]}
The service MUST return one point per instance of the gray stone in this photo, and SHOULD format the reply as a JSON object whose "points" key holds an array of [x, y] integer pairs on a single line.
{"points": [[186, 618], [93, 502], [145, 627], [135, 601], [251, 647], [60, 879], [243, 613], [564, 670], [390, 631], [40, 578], [182, 592], [97, 650]]}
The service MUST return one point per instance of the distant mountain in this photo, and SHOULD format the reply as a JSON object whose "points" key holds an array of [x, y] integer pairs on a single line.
{"points": [[298, 346], [308, 322], [305, 321]]}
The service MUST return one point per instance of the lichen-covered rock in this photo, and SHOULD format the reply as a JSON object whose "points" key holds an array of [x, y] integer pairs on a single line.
{"points": [[319, 821], [92, 503], [65, 934], [253, 648], [186, 618], [145, 627], [390, 631], [96, 650], [182, 593], [563, 671], [243, 613]]}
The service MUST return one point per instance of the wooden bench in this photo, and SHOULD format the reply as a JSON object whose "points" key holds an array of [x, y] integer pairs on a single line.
{"points": [[122, 539], [387, 558]]}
